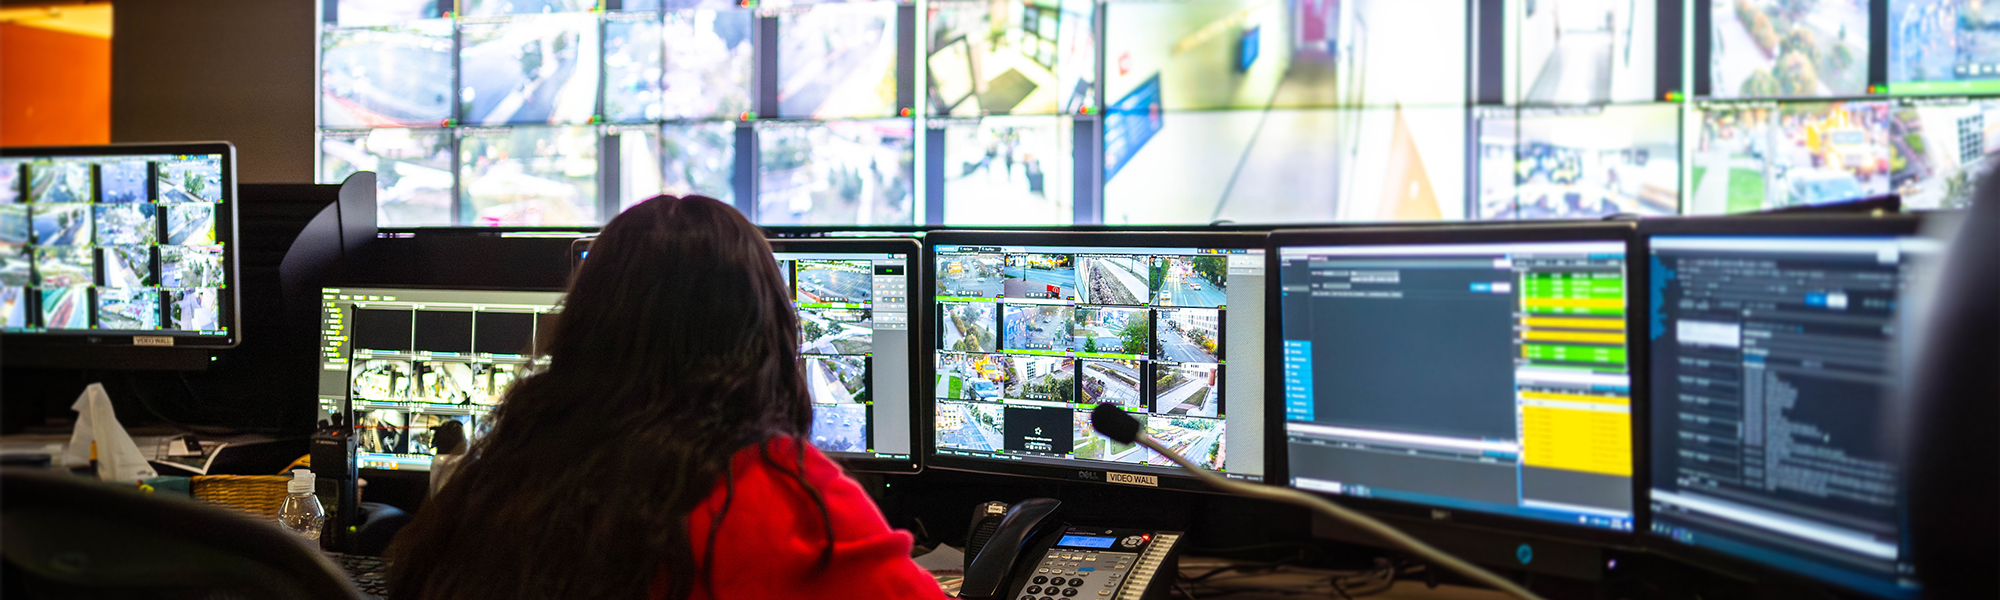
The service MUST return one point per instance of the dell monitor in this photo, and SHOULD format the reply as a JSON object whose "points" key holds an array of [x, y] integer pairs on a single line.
{"points": [[123, 245], [1034, 329], [1774, 378], [1479, 376]]}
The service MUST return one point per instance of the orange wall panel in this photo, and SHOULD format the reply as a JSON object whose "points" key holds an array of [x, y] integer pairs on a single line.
{"points": [[55, 88]]}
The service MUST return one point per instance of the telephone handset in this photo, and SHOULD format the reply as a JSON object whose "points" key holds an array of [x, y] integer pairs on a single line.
{"points": [[1032, 555]]}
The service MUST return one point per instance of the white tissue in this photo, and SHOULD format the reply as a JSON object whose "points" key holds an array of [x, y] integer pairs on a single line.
{"points": [[118, 459]]}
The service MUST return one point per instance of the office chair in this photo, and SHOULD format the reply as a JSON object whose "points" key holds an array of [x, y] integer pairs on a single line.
{"points": [[65, 537]]}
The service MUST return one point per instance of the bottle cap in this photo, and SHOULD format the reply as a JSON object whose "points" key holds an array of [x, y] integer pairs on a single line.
{"points": [[301, 483]]}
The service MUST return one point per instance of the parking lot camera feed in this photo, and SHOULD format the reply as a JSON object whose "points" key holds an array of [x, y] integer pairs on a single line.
{"points": [[1025, 58], [840, 172], [413, 171], [834, 281], [1007, 171], [840, 427], [528, 69], [123, 181], [529, 175], [633, 67], [1752, 157], [700, 158], [711, 63], [391, 76], [837, 61], [1583, 162], [1582, 52], [1788, 48], [1943, 47]]}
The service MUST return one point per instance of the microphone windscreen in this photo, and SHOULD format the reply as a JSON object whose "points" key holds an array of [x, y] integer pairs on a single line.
{"points": [[1115, 424]]}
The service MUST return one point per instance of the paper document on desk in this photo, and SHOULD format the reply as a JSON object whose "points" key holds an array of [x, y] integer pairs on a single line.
{"points": [[118, 458]]}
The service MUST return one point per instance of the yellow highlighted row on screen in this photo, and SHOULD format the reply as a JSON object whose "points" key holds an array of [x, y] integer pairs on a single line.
{"points": [[1573, 302], [1588, 337], [1590, 441], [1567, 323], [1555, 397]]}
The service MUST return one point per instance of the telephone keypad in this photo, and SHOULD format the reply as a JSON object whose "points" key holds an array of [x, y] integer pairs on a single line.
{"points": [[1069, 574]]}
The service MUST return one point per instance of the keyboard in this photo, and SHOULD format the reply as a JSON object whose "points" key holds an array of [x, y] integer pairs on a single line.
{"points": [[369, 573]]}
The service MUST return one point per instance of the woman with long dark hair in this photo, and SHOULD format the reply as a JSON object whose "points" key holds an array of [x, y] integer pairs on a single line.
{"points": [[660, 453]]}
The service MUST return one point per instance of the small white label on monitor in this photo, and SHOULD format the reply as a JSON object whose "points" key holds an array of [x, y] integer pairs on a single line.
{"points": [[152, 340], [1709, 333], [1131, 479]]}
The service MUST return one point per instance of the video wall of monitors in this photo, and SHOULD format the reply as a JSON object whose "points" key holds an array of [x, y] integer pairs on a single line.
{"points": [[1142, 112]]}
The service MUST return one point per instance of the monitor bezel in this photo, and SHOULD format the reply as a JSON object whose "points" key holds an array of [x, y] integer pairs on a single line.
{"points": [[226, 233], [1481, 233], [1080, 472], [1895, 225], [918, 332]]}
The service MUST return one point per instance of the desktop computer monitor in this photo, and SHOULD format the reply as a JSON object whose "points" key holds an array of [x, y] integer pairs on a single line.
{"points": [[1774, 381], [1481, 376], [1034, 329], [132, 244]]}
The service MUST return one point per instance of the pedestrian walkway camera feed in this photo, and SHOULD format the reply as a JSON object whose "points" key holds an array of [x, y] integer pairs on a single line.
{"points": [[529, 69], [390, 76], [113, 244], [1032, 338], [1583, 52], [529, 175], [710, 64], [837, 61], [1029, 58], [839, 172], [413, 170], [1943, 47], [1578, 163], [1006, 170], [1788, 48], [854, 338]]}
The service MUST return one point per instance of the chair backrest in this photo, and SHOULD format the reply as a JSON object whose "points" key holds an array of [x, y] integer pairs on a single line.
{"points": [[70, 537]]}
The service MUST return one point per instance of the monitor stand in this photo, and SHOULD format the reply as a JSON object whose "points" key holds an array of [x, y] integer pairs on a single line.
{"points": [[1489, 547]]}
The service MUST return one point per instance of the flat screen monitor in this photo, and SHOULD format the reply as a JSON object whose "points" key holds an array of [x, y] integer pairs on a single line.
{"points": [[119, 245], [1775, 49], [1480, 374], [1033, 330], [1774, 352]]}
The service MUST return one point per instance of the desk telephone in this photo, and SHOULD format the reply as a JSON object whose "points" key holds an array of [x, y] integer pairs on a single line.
{"points": [[1024, 552]]}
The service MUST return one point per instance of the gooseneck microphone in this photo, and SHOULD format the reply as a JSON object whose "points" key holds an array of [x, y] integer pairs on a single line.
{"points": [[1115, 424]]}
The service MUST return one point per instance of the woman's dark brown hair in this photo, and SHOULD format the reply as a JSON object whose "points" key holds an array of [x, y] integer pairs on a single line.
{"points": [[676, 348]]}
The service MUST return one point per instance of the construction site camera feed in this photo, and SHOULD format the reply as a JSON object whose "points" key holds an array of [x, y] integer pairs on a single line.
{"points": [[1032, 338], [391, 76], [853, 342], [839, 172], [710, 64], [1943, 47], [1006, 170], [837, 61], [529, 175], [539, 68], [1029, 58], [1788, 48], [1582, 52], [1582, 162], [114, 244], [413, 170], [1760, 156]]}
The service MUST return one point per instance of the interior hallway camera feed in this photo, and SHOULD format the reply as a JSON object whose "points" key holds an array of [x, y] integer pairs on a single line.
{"points": [[1582, 52], [528, 175], [837, 61], [840, 172], [1752, 157], [1788, 48], [710, 64], [1578, 163], [1005, 170], [413, 171], [1028, 58], [390, 76], [528, 69], [1943, 47]]}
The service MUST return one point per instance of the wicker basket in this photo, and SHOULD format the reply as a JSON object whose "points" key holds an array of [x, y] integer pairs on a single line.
{"points": [[258, 495]]}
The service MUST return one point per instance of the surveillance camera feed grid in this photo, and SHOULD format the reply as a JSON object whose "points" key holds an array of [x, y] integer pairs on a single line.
{"points": [[413, 171], [1788, 48], [529, 175], [836, 172], [537, 68], [1094, 328], [710, 66], [137, 224], [633, 67], [394, 76]]}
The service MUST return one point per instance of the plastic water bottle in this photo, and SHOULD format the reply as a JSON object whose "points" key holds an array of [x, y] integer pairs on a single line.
{"points": [[302, 513]]}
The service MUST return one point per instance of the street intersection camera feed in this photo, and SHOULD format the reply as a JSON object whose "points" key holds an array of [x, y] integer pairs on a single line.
{"points": [[1189, 281], [632, 67], [1114, 382], [1007, 171], [1188, 335], [837, 379], [444, 382], [127, 266], [384, 380], [1788, 48], [1753, 158], [840, 427], [65, 266], [972, 426], [1943, 41], [59, 182], [122, 181], [529, 175], [1023, 58], [413, 171], [190, 179], [837, 61], [711, 64], [128, 309], [1579, 163], [488, 8], [835, 331], [842, 172], [1035, 327], [490, 381], [195, 310], [1583, 52], [1188, 389], [62, 225], [972, 376], [1114, 280], [1040, 276], [375, 13], [66, 307], [971, 275], [1045, 378], [529, 69], [393, 76], [700, 159], [191, 266], [969, 327], [129, 224], [1198, 440], [1110, 331], [1091, 445], [849, 281]]}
